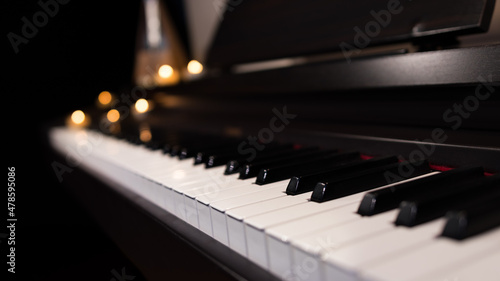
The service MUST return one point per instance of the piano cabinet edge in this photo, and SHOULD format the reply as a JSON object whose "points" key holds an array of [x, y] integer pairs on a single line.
{"points": [[127, 218], [442, 154]]}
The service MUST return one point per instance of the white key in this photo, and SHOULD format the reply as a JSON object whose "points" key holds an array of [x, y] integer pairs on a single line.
{"points": [[203, 201], [441, 253], [349, 259], [255, 226], [269, 191], [311, 246], [272, 212], [141, 169], [187, 195], [333, 237], [234, 217], [164, 166], [485, 268], [277, 236], [303, 219], [212, 187], [180, 175], [218, 208], [210, 183]]}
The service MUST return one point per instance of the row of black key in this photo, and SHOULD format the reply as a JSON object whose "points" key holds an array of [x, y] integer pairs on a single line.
{"points": [[470, 199]]}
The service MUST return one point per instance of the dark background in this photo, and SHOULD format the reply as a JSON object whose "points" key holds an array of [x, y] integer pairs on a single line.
{"points": [[85, 48]]}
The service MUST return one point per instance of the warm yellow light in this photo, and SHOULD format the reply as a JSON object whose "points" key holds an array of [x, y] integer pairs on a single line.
{"points": [[145, 135], [113, 115], [104, 97], [141, 105], [165, 71], [78, 117], [194, 67]]}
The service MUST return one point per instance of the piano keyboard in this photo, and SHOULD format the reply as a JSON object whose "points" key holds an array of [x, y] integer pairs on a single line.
{"points": [[314, 214]]}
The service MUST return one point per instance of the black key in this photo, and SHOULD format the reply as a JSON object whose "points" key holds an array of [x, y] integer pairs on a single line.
{"points": [[348, 185], [277, 173], [269, 150], [385, 199], [307, 182], [133, 139], [172, 141], [154, 145], [175, 150], [177, 143], [199, 143], [251, 170], [167, 148], [210, 146], [234, 166], [203, 156], [436, 204], [480, 216], [219, 159]]}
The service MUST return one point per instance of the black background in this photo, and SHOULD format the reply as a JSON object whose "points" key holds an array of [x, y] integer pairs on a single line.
{"points": [[87, 47]]}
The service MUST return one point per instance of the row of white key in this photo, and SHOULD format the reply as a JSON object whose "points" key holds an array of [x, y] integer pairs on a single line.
{"points": [[291, 236]]}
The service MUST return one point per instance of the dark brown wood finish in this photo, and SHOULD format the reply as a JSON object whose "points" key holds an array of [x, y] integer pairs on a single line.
{"points": [[459, 67], [260, 30], [412, 90]]}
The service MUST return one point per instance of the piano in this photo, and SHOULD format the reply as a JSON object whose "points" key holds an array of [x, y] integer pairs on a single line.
{"points": [[322, 140]]}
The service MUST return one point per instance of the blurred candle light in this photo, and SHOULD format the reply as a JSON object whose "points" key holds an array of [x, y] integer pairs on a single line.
{"points": [[113, 115], [104, 97], [141, 105], [194, 67], [165, 71], [145, 135], [78, 117]]}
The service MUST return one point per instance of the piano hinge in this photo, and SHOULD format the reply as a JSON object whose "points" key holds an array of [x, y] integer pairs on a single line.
{"points": [[436, 43]]}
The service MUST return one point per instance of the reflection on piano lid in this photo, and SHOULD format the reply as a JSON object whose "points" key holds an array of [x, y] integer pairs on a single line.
{"points": [[375, 162]]}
